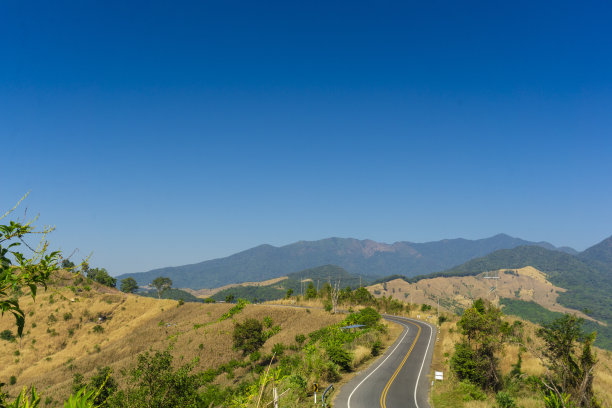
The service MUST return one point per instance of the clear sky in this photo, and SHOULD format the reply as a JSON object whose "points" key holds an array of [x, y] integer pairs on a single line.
{"points": [[165, 133]]}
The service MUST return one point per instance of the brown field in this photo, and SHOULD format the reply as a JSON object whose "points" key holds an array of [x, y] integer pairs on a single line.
{"points": [[527, 284], [54, 348], [205, 293]]}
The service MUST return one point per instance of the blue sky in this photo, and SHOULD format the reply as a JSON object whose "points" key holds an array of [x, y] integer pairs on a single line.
{"points": [[166, 133]]}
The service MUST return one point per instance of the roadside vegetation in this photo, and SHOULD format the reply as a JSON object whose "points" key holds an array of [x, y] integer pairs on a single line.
{"points": [[491, 360]]}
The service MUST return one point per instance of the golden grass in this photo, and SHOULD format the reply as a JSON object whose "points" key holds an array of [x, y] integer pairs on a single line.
{"points": [[53, 350]]}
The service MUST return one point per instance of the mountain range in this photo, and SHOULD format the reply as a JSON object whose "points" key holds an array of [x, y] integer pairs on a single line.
{"points": [[363, 257]]}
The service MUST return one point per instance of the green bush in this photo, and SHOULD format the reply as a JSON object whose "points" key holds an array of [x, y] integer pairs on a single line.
{"points": [[376, 348], [67, 316], [471, 392], [98, 329], [504, 400], [248, 336], [329, 372], [300, 339], [13, 380], [7, 335], [339, 356], [278, 349], [267, 321]]}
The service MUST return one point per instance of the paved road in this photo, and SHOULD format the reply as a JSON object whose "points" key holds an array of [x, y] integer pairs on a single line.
{"points": [[398, 379]]}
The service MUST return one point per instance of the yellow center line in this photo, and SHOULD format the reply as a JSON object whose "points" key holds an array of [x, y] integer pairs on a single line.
{"points": [[383, 396]]}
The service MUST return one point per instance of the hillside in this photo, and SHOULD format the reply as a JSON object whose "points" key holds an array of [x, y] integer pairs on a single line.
{"points": [[78, 326], [363, 257], [296, 282]]}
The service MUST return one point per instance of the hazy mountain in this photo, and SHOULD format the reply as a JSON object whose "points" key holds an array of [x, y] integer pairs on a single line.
{"points": [[363, 257], [599, 255]]}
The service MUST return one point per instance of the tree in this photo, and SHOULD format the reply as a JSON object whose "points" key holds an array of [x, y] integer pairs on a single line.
{"points": [[248, 336], [475, 359], [289, 293], [162, 284], [311, 292], [155, 383], [129, 285], [569, 373], [101, 276]]}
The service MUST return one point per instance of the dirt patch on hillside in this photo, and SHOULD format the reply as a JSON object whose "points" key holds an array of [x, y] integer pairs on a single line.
{"points": [[206, 293]]}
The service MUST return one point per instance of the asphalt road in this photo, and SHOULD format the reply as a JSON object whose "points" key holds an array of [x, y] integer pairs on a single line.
{"points": [[399, 378]]}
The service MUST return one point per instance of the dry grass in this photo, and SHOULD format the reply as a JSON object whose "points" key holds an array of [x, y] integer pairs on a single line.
{"points": [[133, 325]]}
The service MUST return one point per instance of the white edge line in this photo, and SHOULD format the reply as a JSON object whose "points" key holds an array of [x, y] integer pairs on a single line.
{"points": [[348, 402], [422, 364]]}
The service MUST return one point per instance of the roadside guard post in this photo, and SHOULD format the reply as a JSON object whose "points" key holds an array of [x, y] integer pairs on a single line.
{"points": [[331, 387], [316, 389]]}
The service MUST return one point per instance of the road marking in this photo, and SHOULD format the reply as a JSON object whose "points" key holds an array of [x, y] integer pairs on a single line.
{"points": [[383, 396], [422, 364], [383, 362]]}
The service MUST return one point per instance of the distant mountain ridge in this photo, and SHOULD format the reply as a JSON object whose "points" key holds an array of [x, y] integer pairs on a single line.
{"points": [[363, 257]]}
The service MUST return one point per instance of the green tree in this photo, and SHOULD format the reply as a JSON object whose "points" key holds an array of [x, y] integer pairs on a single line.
{"points": [[129, 285], [570, 372], [248, 336], [154, 383], [311, 292], [162, 284], [101, 276], [475, 358], [289, 293]]}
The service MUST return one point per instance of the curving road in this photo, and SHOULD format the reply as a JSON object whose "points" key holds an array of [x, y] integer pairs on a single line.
{"points": [[399, 378]]}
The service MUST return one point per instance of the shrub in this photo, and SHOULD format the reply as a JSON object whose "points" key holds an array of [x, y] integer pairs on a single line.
{"points": [[248, 336], [98, 329], [278, 349], [330, 373], [13, 380], [267, 321], [67, 316], [328, 307], [7, 335], [376, 348], [471, 392], [339, 356], [504, 400], [300, 339]]}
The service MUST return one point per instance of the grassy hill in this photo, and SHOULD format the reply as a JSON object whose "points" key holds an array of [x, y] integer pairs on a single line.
{"points": [[363, 257], [77, 326]]}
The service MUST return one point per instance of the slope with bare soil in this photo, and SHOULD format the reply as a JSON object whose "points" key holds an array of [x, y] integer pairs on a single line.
{"points": [[528, 284]]}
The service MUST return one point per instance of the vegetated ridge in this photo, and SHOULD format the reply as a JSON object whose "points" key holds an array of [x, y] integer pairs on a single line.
{"points": [[363, 257]]}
